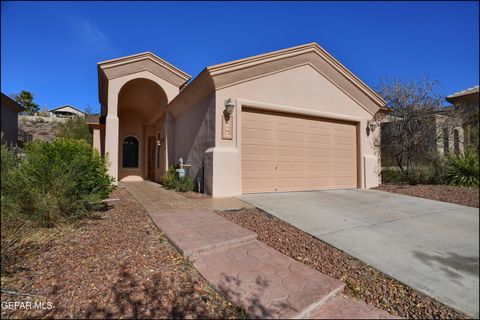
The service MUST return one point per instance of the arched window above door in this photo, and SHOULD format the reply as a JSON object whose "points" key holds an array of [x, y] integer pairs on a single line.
{"points": [[130, 152]]}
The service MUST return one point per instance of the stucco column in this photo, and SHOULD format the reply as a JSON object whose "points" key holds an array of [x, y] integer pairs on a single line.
{"points": [[96, 140], [111, 136], [169, 143]]}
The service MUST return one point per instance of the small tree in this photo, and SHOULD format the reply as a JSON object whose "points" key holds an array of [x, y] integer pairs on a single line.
{"points": [[44, 111], [75, 128], [25, 99], [411, 129]]}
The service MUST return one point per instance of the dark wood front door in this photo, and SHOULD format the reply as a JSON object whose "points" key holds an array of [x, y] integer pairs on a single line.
{"points": [[151, 158]]}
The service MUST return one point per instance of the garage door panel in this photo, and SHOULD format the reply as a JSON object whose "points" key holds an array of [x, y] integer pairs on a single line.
{"points": [[299, 153], [258, 185], [252, 152]]}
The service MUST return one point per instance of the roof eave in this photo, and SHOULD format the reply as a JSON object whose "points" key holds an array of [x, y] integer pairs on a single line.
{"points": [[279, 54]]}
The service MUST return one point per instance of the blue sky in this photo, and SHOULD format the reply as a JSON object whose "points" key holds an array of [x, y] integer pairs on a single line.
{"points": [[52, 48]]}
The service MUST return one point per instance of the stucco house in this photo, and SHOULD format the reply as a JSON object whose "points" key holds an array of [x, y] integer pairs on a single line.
{"points": [[10, 109], [467, 104], [441, 133], [288, 120], [66, 111]]}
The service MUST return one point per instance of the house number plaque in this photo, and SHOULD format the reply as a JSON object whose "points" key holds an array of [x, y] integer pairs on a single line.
{"points": [[227, 127]]}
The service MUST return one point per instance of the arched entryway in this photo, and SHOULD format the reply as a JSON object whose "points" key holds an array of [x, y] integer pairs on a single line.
{"points": [[141, 104], [133, 92]]}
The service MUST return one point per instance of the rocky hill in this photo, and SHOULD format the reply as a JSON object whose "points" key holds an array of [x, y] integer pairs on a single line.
{"points": [[38, 128]]}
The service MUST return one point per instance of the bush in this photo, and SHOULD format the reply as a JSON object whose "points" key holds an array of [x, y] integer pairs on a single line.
{"points": [[463, 169], [170, 180], [391, 175], [431, 170], [418, 175], [75, 128], [184, 184], [55, 181]]}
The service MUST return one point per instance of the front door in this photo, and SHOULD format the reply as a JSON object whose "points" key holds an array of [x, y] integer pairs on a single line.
{"points": [[151, 158]]}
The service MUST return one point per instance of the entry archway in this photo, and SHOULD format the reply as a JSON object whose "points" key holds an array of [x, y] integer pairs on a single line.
{"points": [[140, 101]]}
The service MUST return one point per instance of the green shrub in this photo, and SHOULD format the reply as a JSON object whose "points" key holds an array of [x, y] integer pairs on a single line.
{"points": [[55, 181], [9, 162], [170, 180], [430, 170], [75, 128], [463, 169], [184, 184], [417, 175], [391, 175]]}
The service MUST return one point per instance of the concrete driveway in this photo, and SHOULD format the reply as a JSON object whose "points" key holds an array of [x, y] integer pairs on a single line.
{"points": [[430, 245]]}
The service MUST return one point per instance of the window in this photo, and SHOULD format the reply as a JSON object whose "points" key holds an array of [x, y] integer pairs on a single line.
{"points": [[446, 144], [130, 152], [456, 141]]}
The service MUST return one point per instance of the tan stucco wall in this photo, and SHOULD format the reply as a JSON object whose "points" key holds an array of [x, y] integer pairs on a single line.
{"points": [[450, 125], [299, 90], [194, 134]]}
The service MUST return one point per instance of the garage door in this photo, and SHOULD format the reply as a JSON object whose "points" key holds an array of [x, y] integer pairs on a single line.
{"points": [[282, 152]]}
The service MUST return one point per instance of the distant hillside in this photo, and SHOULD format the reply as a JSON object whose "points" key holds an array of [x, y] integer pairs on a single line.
{"points": [[40, 128]]}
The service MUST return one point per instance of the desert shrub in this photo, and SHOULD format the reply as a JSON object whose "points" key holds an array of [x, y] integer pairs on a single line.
{"points": [[75, 128], [429, 170], [55, 181], [9, 162], [418, 174], [184, 184], [171, 180], [463, 169], [391, 175]]}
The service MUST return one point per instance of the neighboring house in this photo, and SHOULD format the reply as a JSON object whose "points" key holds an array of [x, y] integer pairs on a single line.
{"points": [[467, 105], [45, 128], [66, 111], [288, 120], [442, 133], [10, 110]]}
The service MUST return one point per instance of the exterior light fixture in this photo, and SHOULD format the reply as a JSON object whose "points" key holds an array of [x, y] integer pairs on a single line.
{"points": [[229, 106], [372, 125]]}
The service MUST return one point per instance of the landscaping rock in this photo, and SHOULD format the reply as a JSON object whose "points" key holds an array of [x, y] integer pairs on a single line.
{"points": [[362, 281]]}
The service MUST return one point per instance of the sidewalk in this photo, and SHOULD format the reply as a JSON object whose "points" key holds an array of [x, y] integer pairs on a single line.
{"points": [[261, 280]]}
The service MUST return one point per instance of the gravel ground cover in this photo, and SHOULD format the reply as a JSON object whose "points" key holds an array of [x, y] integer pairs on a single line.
{"points": [[116, 264], [459, 195], [362, 281]]}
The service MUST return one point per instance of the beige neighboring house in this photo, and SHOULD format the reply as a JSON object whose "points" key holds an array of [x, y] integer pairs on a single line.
{"points": [[467, 104], [289, 120], [9, 113], [66, 111]]}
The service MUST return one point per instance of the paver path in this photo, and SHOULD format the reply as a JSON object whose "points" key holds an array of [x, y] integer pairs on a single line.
{"points": [[263, 281]]}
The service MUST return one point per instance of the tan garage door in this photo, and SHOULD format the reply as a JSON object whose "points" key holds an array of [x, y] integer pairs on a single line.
{"points": [[282, 152]]}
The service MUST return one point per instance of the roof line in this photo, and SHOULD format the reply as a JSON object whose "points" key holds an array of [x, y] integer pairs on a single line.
{"points": [[257, 59], [122, 60], [67, 105]]}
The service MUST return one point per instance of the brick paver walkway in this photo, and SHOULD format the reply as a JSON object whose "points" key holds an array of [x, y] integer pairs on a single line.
{"points": [[263, 281]]}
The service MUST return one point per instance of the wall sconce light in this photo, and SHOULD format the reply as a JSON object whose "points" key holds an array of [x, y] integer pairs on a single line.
{"points": [[160, 142], [372, 125], [229, 106]]}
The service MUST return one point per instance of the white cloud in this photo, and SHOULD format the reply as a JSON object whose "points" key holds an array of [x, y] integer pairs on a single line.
{"points": [[92, 36]]}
